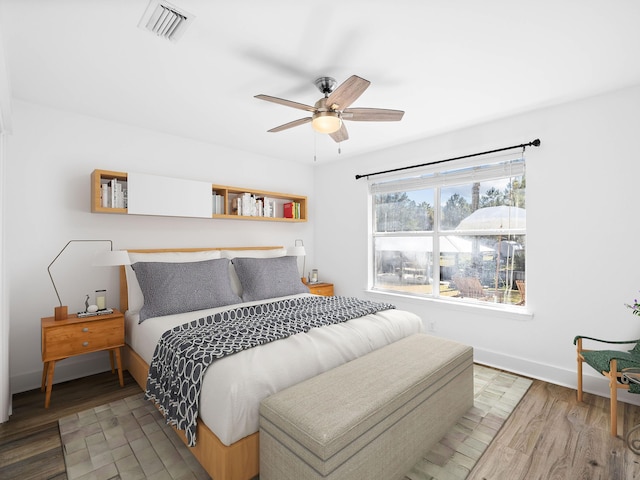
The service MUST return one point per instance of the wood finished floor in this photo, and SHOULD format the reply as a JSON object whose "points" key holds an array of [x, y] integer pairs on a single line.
{"points": [[549, 435], [30, 445]]}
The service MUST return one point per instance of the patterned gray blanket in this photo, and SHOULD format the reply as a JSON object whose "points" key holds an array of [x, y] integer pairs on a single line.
{"points": [[184, 352]]}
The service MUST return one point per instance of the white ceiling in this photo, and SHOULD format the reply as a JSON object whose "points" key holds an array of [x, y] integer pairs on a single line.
{"points": [[447, 64]]}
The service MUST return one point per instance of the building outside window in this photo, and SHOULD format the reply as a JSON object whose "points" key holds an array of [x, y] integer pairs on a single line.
{"points": [[454, 232]]}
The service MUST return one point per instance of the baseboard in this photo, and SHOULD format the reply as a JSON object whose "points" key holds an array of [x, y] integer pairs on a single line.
{"points": [[67, 369], [592, 382]]}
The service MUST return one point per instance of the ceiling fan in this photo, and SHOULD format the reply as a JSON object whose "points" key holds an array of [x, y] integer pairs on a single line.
{"points": [[329, 112]]}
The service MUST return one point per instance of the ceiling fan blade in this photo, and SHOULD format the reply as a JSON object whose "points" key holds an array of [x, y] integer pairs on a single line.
{"points": [[286, 103], [340, 135], [295, 123], [276, 62], [348, 92], [372, 115]]}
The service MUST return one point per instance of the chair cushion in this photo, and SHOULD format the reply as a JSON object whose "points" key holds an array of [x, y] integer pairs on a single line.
{"points": [[600, 360]]}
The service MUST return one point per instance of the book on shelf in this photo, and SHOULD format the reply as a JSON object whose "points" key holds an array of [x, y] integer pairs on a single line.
{"points": [[291, 210], [217, 204], [251, 205], [113, 193], [268, 207], [104, 195], [243, 205]]}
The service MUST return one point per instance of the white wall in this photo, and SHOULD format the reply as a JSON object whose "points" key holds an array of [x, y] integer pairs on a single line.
{"points": [[582, 240], [582, 261], [50, 157], [5, 129], [5, 385]]}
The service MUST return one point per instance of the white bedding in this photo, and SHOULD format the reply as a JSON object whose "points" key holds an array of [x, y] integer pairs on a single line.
{"points": [[234, 386]]}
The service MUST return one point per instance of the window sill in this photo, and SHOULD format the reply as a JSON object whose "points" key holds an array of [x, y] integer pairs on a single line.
{"points": [[496, 309]]}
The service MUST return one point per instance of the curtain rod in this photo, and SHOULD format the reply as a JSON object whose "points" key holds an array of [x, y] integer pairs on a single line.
{"points": [[534, 143]]}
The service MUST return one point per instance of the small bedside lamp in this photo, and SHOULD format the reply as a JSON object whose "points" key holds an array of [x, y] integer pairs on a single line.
{"points": [[111, 258], [105, 258], [298, 251], [108, 258]]}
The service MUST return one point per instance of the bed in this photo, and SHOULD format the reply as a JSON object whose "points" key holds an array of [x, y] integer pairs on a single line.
{"points": [[227, 428]]}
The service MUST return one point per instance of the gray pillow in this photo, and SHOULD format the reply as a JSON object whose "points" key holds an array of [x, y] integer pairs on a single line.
{"points": [[268, 277], [170, 288]]}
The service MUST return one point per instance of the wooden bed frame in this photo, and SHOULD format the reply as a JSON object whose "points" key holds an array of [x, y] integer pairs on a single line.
{"points": [[238, 461]]}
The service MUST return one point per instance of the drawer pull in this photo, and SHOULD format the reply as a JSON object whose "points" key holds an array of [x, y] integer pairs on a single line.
{"points": [[85, 329], [85, 344]]}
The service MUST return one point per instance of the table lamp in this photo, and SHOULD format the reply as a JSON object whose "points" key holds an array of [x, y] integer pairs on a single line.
{"points": [[298, 251], [109, 258]]}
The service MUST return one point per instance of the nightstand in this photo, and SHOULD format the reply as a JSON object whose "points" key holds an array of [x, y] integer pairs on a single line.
{"points": [[76, 336], [321, 288]]}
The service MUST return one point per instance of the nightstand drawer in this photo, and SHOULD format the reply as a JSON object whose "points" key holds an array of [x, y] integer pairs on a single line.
{"points": [[68, 340], [325, 289]]}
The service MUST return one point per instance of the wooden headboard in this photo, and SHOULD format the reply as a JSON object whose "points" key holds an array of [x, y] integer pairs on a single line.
{"points": [[124, 293]]}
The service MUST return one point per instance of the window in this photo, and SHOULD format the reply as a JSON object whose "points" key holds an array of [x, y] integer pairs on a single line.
{"points": [[458, 233]]}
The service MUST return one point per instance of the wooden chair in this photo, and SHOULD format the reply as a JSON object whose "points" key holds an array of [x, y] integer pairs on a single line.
{"points": [[523, 291], [609, 363], [470, 287]]}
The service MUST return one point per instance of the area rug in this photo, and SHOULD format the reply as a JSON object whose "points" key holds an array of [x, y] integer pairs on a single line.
{"points": [[126, 439], [129, 439]]}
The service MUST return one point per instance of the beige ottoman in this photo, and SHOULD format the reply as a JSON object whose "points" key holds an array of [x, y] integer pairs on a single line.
{"points": [[372, 418]]}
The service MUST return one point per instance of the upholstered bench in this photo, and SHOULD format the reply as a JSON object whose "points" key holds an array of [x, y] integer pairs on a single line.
{"points": [[371, 418]]}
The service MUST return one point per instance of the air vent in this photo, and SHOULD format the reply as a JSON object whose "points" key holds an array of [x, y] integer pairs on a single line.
{"points": [[165, 20]]}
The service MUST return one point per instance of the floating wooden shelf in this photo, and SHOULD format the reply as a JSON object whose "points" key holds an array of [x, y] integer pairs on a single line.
{"points": [[278, 199]]}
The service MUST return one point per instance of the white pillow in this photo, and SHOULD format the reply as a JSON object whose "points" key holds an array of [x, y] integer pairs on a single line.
{"points": [[270, 253], [135, 296], [236, 286]]}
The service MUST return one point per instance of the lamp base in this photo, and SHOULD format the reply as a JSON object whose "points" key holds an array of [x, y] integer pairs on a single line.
{"points": [[61, 313]]}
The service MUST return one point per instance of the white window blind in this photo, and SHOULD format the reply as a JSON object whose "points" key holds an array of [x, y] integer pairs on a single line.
{"points": [[475, 170]]}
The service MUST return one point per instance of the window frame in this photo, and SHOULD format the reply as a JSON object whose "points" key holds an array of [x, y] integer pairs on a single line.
{"points": [[507, 166]]}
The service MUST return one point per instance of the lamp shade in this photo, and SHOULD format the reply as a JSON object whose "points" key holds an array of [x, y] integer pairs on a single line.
{"points": [[111, 258], [297, 251]]}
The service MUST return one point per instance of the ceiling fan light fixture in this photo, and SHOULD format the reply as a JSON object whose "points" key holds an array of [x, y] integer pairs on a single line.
{"points": [[326, 122]]}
